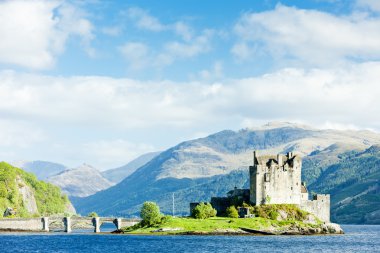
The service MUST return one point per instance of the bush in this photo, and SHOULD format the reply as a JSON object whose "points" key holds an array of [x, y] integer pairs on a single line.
{"points": [[93, 215], [150, 213], [272, 211], [165, 218], [232, 212], [203, 211]]}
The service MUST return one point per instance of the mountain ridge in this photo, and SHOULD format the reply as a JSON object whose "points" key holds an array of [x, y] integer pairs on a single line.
{"points": [[196, 162], [82, 181]]}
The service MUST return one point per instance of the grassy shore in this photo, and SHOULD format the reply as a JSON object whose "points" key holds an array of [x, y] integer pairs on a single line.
{"points": [[276, 219], [184, 225]]}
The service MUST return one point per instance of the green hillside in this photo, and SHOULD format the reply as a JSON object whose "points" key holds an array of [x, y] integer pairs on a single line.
{"points": [[48, 198], [353, 183]]}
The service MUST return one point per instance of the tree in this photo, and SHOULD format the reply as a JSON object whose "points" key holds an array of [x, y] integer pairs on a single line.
{"points": [[232, 212], [150, 213], [93, 215], [203, 211]]}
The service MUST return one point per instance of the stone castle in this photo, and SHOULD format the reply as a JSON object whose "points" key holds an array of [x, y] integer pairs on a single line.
{"points": [[276, 179]]}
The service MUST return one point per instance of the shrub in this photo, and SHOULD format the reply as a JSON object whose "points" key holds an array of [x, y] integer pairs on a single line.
{"points": [[165, 218], [203, 211], [272, 211], [150, 213], [93, 215], [232, 212]]}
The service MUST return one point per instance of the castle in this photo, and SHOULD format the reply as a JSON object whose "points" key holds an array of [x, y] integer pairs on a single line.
{"points": [[276, 179]]}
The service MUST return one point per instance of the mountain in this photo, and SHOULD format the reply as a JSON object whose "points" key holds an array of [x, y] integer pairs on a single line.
{"points": [[118, 174], [28, 196], [80, 182], [41, 169], [195, 170]]}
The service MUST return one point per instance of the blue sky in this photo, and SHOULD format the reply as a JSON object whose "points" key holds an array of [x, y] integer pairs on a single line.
{"points": [[104, 81]]}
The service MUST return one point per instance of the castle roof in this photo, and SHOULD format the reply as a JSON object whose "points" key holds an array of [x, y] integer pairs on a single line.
{"points": [[303, 189]]}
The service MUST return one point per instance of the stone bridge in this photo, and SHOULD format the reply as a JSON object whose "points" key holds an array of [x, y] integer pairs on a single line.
{"points": [[66, 223]]}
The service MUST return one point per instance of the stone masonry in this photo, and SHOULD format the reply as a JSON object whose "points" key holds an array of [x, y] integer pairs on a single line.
{"points": [[276, 179]]}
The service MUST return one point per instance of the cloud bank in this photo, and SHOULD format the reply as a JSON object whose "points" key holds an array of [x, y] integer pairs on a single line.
{"points": [[34, 33], [347, 96], [308, 36]]}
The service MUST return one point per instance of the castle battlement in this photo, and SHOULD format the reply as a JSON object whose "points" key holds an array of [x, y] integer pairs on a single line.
{"points": [[288, 160], [276, 179]]}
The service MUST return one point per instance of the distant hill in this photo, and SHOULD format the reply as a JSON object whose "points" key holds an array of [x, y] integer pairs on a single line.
{"points": [[198, 169], [80, 182], [23, 192], [118, 174], [41, 169]]}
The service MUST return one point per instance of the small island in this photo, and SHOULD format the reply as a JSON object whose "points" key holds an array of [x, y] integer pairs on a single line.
{"points": [[277, 220], [277, 203]]}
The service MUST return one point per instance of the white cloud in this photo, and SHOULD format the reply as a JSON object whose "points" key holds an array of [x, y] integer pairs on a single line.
{"points": [[144, 20], [33, 33], [344, 96], [216, 72], [184, 30], [309, 36], [242, 51], [137, 55], [373, 5], [175, 50], [112, 30], [19, 134], [337, 95], [188, 45]]}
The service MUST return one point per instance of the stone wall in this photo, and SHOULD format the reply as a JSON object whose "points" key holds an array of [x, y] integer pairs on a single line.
{"points": [[275, 179], [32, 224], [220, 204], [319, 206]]}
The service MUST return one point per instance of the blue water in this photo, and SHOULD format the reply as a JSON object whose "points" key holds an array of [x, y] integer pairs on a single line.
{"points": [[357, 239]]}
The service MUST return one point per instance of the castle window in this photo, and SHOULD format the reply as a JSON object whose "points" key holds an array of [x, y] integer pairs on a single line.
{"points": [[267, 177], [291, 188]]}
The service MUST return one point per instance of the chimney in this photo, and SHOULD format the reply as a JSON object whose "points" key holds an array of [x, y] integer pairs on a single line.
{"points": [[254, 157], [290, 155], [279, 159]]}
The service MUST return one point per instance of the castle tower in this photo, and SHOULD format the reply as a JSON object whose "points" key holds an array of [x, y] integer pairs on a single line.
{"points": [[275, 179]]}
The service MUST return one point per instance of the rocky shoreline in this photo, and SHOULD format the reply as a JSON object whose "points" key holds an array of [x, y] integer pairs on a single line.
{"points": [[323, 229]]}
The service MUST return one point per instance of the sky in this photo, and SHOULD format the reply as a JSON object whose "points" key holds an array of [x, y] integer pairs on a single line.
{"points": [[102, 82]]}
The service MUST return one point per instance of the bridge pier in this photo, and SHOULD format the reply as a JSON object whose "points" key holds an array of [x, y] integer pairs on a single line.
{"points": [[117, 223], [67, 224], [45, 224], [96, 223]]}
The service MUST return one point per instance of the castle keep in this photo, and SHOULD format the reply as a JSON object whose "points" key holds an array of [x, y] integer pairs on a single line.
{"points": [[276, 179]]}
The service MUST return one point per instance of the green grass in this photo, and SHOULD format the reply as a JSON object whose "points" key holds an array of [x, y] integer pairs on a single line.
{"points": [[187, 224]]}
